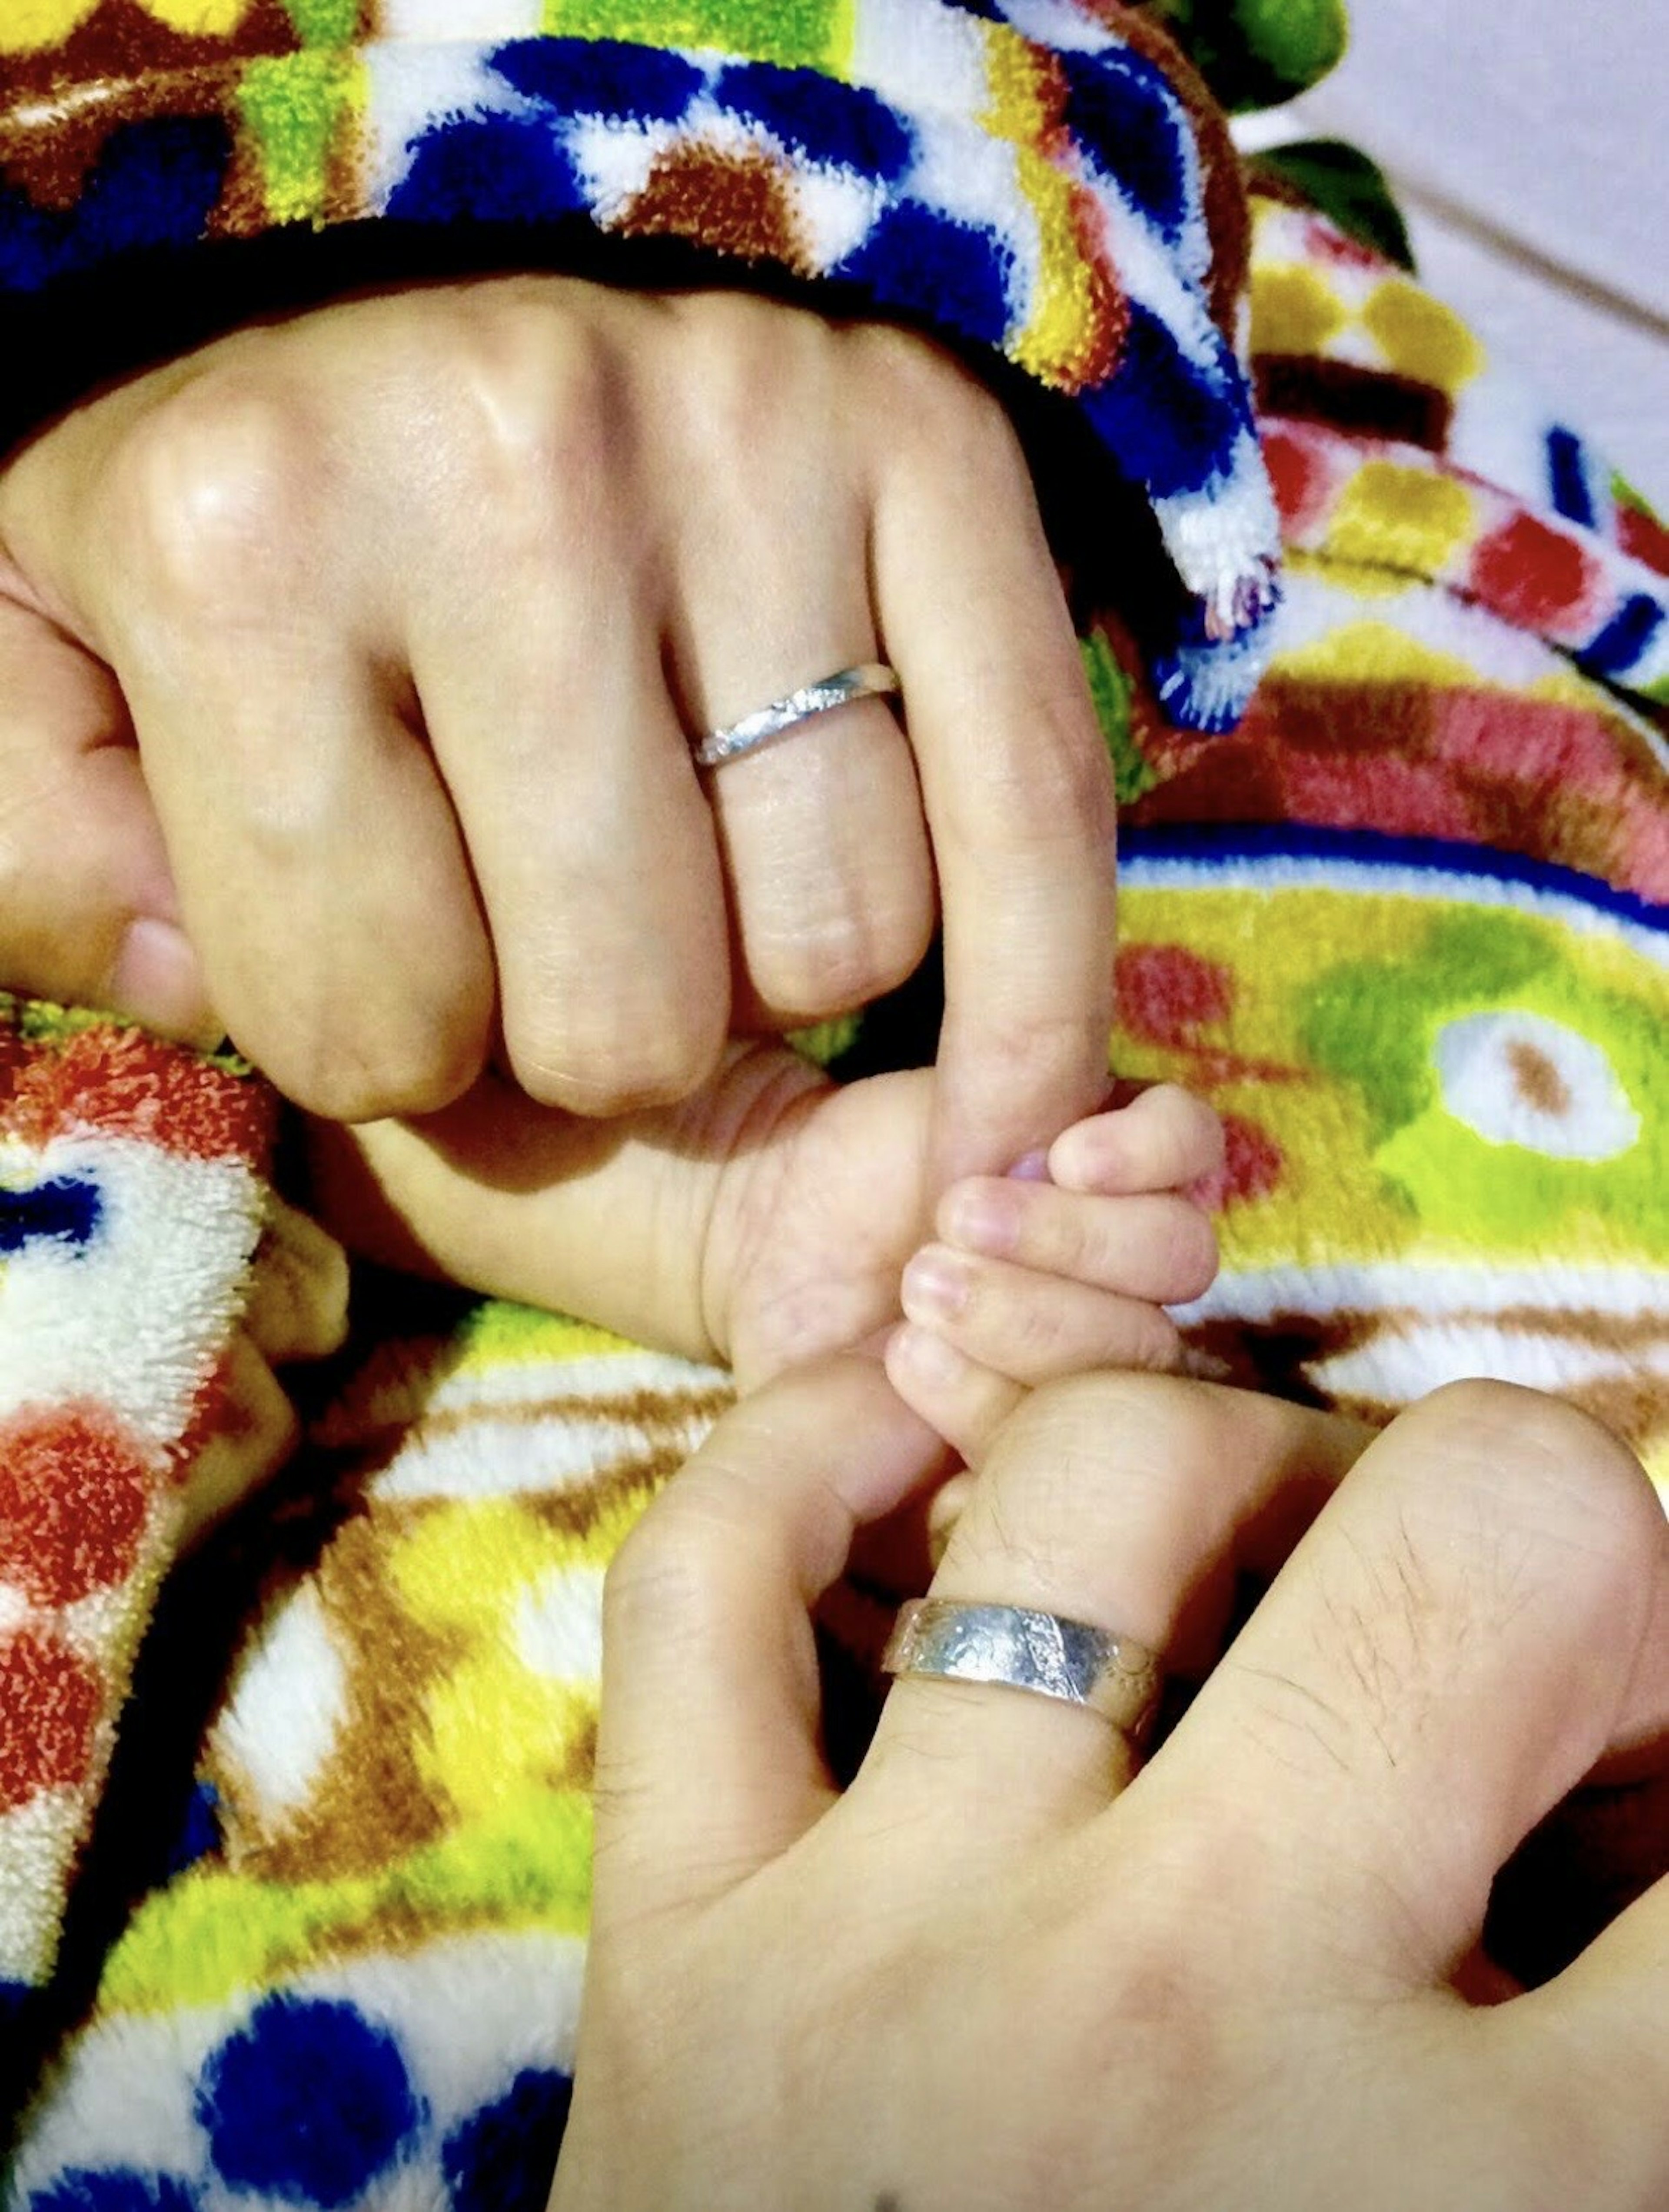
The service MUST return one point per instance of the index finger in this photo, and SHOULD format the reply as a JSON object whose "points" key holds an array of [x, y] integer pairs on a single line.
{"points": [[1015, 785]]}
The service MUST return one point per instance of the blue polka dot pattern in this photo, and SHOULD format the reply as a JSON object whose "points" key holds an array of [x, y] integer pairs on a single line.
{"points": [[310, 2102], [503, 2157]]}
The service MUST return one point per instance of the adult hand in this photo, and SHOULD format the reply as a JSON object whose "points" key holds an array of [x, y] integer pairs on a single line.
{"points": [[414, 603], [999, 1972]]}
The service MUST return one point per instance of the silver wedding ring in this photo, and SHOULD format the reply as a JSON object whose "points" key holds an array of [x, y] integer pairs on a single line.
{"points": [[871, 679], [1022, 1649]]}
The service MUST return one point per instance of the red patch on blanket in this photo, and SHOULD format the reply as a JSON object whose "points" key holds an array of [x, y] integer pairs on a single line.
{"points": [[113, 1081], [49, 1704], [1252, 1163], [1644, 537], [1167, 993], [1301, 478], [1530, 573], [75, 1493]]}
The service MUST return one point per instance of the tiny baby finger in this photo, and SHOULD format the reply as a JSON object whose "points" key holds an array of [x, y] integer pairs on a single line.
{"points": [[965, 1402], [1160, 1248], [1165, 1140], [1030, 1327]]}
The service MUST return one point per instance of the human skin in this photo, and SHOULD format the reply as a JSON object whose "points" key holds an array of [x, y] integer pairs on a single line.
{"points": [[411, 602], [1007, 1968], [768, 1221]]}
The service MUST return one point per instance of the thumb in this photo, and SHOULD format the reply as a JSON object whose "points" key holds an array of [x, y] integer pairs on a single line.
{"points": [[709, 1762], [87, 911]]}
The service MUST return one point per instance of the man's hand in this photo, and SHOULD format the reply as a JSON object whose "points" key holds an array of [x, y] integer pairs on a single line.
{"points": [[1006, 1969], [414, 604]]}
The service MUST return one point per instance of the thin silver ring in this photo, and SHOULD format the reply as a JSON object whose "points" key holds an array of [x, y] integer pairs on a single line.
{"points": [[1021, 1648], [870, 680]]}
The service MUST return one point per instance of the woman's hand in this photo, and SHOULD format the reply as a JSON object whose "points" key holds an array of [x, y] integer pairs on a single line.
{"points": [[414, 603], [1005, 1970]]}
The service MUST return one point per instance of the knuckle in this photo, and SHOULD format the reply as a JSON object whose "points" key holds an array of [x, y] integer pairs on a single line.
{"points": [[1035, 1330], [1071, 791], [327, 1069], [1153, 1341], [1160, 1425], [1033, 1519], [1040, 1051], [654, 1583], [931, 393], [751, 365], [538, 406], [629, 1015], [601, 1077], [618, 1023], [1054, 794], [841, 959], [216, 489], [1493, 1414], [1189, 1252], [1191, 1130], [1544, 1460], [670, 1579]]}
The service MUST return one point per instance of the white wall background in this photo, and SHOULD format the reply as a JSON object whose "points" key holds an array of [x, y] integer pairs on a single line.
{"points": [[1528, 141]]}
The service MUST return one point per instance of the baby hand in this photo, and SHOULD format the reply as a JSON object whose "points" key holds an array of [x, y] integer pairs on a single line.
{"points": [[1065, 1264]]}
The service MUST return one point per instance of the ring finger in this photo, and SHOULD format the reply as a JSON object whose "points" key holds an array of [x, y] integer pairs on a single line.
{"points": [[1116, 1501], [831, 879]]}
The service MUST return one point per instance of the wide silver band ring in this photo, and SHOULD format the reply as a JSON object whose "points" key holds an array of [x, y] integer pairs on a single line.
{"points": [[870, 680], [1022, 1649]]}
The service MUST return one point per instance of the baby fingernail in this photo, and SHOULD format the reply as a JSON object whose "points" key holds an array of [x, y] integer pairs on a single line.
{"points": [[1030, 1167], [983, 1216], [928, 1356], [936, 1286]]}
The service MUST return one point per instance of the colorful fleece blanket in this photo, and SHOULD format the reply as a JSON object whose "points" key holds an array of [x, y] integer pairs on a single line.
{"points": [[1408, 926], [1048, 184]]}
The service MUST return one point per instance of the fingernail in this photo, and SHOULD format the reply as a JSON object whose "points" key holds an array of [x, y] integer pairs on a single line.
{"points": [[982, 1215], [936, 1286], [158, 979], [927, 1356], [1030, 1167]]}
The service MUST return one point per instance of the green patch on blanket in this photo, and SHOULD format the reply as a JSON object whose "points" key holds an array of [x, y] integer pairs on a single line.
{"points": [[325, 23], [1110, 693], [794, 34], [294, 107]]}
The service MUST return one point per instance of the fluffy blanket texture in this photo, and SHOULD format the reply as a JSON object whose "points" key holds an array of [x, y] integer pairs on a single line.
{"points": [[1407, 928]]}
